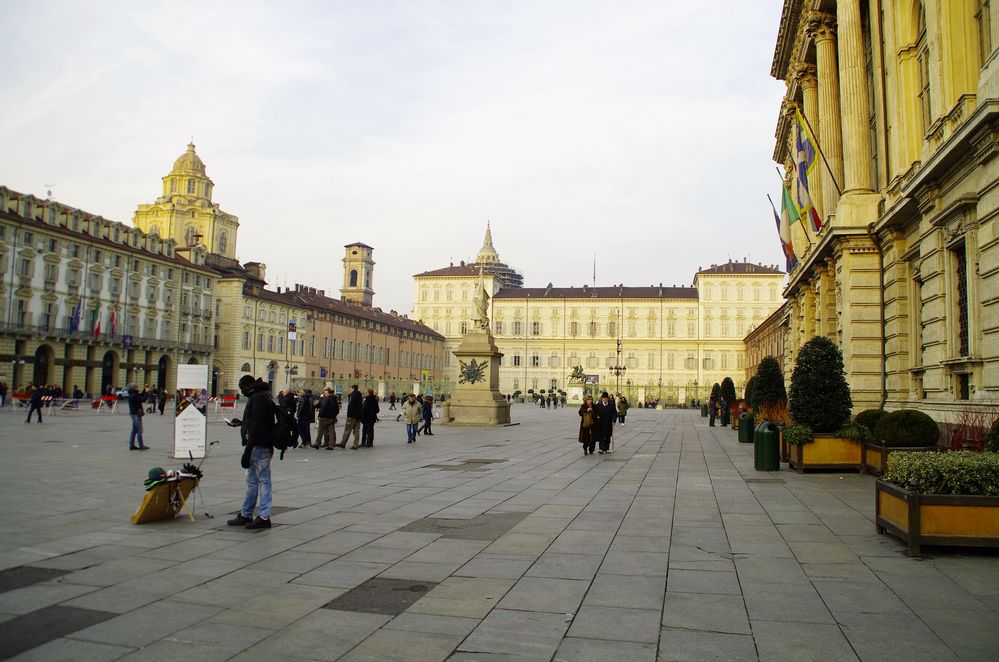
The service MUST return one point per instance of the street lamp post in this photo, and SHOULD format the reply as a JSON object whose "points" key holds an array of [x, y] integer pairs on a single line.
{"points": [[617, 369]]}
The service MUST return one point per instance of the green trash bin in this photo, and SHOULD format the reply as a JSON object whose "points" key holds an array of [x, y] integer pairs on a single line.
{"points": [[746, 421], [766, 449], [704, 411]]}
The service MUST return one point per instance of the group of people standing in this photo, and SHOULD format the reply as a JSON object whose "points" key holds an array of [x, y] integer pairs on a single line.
{"points": [[361, 416], [256, 432], [718, 408]]}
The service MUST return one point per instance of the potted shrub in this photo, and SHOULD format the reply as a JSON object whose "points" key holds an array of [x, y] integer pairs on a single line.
{"points": [[907, 429], [731, 401], [749, 392], [947, 498], [820, 401], [992, 438], [769, 398]]}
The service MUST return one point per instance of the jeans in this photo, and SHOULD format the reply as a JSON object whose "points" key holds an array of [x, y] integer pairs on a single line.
{"points": [[258, 478], [351, 425], [367, 434], [136, 431], [411, 431]]}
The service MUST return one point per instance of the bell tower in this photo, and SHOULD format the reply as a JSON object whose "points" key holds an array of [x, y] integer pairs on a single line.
{"points": [[358, 274]]}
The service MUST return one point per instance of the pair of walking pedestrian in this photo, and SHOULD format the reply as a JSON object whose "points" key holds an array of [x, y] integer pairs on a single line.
{"points": [[596, 424]]}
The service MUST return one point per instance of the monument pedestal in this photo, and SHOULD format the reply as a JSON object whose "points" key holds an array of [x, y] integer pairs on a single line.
{"points": [[476, 399]]}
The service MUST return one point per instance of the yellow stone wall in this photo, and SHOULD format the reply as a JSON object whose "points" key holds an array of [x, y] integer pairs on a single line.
{"points": [[907, 99]]}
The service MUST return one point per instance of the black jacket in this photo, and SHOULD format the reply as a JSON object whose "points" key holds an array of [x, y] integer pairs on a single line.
{"points": [[328, 407], [135, 400], [306, 409], [354, 404], [369, 409], [258, 417], [289, 402], [607, 413]]}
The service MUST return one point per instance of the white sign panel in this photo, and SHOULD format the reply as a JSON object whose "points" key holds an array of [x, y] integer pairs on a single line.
{"points": [[190, 426]]}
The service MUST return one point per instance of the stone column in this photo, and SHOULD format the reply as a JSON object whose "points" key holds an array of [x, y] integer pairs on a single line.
{"points": [[823, 27], [853, 90], [808, 81], [809, 84]]}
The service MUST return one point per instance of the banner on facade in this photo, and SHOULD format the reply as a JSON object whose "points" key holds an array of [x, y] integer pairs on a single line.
{"points": [[190, 423]]}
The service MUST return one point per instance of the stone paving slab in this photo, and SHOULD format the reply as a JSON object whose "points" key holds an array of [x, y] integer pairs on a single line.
{"points": [[673, 548]]}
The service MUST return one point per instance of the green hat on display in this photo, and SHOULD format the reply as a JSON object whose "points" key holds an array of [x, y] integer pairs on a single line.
{"points": [[157, 473]]}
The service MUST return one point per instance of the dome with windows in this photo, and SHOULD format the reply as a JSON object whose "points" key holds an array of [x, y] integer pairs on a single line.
{"points": [[189, 161]]}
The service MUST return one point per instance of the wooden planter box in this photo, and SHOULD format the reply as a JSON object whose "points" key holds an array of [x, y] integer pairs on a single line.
{"points": [[826, 451], [876, 456], [936, 519]]}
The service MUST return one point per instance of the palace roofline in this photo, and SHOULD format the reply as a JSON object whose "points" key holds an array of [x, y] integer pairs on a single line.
{"points": [[602, 292]]}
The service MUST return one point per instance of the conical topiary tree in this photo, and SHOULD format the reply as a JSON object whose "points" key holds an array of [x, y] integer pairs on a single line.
{"points": [[820, 396], [715, 391], [769, 387], [750, 389], [728, 390]]}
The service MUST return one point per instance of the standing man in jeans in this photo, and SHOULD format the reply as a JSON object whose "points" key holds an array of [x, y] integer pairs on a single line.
{"points": [[412, 413], [255, 432], [353, 423], [136, 408]]}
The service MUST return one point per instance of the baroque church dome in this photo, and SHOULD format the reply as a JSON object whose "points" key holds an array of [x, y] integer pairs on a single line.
{"points": [[189, 161]]}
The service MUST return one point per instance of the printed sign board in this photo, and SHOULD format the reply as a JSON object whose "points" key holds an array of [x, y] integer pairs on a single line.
{"points": [[190, 423]]}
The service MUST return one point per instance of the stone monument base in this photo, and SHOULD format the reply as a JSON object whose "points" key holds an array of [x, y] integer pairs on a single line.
{"points": [[475, 409]]}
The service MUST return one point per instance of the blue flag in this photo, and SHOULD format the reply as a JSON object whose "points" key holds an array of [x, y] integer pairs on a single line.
{"points": [[74, 324]]}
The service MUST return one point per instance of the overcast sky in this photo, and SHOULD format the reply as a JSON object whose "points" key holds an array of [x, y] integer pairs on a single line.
{"points": [[639, 131]]}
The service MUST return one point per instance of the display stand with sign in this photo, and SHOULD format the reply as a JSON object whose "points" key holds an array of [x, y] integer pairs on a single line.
{"points": [[190, 426]]}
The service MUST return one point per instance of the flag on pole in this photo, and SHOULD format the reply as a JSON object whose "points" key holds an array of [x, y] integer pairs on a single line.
{"points": [[114, 320], [784, 231], [96, 321], [74, 324], [804, 154]]}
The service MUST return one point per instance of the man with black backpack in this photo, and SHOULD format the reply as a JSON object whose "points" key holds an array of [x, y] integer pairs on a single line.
{"points": [[256, 431]]}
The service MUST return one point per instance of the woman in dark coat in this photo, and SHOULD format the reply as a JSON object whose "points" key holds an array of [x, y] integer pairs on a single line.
{"points": [[588, 434]]}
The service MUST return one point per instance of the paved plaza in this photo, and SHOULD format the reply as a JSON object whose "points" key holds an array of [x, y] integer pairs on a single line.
{"points": [[474, 544]]}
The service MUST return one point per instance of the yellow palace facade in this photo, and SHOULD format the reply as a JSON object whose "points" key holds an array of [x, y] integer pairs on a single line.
{"points": [[903, 101], [659, 342]]}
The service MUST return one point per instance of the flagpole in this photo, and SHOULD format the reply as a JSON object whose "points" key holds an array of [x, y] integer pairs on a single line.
{"points": [[818, 147], [804, 225], [779, 219]]}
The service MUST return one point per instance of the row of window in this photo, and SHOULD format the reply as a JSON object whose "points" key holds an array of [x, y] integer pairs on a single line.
{"points": [[341, 350], [631, 360], [111, 325], [594, 329], [192, 302]]}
